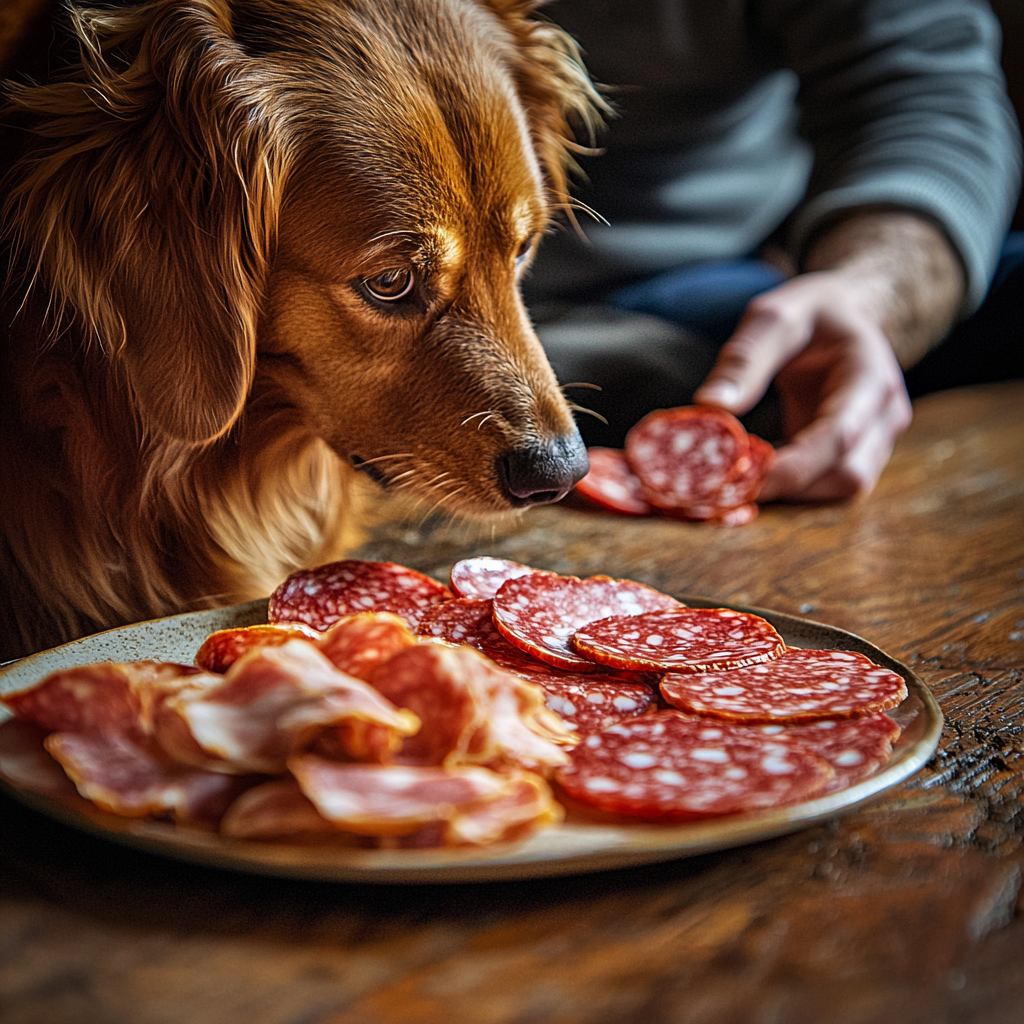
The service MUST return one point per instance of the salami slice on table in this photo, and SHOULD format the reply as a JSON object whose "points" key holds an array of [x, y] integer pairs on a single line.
{"points": [[854, 747], [672, 767], [798, 686], [587, 705], [684, 456], [319, 597], [683, 640], [612, 484], [539, 614], [481, 577], [464, 620], [222, 649]]}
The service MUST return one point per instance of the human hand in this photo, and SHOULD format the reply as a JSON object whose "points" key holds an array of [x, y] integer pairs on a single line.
{"points": [[819, 336]]}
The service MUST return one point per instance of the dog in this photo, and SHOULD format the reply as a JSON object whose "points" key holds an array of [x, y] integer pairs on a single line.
{"points": [[254, 245]]}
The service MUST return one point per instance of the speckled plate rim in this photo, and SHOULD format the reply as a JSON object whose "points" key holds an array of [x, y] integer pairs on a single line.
{"points": [[572, 848]]}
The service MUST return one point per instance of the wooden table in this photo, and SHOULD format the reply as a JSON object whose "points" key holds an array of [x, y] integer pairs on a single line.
{"points": [[907, 909]]}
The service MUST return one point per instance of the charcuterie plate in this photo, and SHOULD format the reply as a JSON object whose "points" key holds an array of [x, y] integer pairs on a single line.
{"points": [[580, 844]]}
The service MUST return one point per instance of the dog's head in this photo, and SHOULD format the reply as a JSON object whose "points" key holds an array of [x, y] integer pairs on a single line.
{"points": [[335, 197]]}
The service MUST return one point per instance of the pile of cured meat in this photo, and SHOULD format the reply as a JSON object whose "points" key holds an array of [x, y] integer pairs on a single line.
{"points": [[380, 708], [694, 462]]}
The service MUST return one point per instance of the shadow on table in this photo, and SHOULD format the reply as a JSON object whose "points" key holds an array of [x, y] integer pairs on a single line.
{"points": [[42, 858]]}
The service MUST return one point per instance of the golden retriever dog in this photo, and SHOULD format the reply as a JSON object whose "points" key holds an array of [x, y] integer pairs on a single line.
{"points": [[253, 244]]}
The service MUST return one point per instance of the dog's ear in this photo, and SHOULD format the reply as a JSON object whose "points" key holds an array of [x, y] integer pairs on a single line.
{"points": [[560, 100], [149, 205]]}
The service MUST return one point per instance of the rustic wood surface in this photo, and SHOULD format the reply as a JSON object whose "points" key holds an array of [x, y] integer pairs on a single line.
{"points": [[906, 910]]}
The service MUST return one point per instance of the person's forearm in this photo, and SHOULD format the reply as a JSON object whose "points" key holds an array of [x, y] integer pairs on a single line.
{"points": [[907, 270]]}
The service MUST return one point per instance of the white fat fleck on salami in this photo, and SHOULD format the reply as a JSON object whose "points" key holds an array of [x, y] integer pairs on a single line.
{"points": [[854, 747], [539, 614], [481, 577], [665, 767], [684, 456], [681, 640], [801, 685], [321, 596]]}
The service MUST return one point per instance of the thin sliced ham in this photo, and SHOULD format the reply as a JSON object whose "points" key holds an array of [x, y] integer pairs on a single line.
{"points": [[25, 762], [125, 777], [472, 711], [276, 810], [471, 805], [102, 697], [273, 702]]}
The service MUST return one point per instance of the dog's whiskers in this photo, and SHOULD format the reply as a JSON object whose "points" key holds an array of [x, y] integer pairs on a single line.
{"points": [[581, 384], [486, 413], [589, 412], [382, 458]]}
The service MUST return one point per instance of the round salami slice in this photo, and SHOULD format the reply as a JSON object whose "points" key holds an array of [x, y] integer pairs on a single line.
{"points": [[462, 620], [323, 595], [683, 640], [799, 686], [684, 456], [539, 614], [612, 484], [671, 767], [222, 649], [481, 577], [587, 706], [854, 747]]}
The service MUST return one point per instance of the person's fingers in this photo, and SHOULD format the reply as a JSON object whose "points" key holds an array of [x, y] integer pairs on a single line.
{"points": [[773, 329], [829, 460]]}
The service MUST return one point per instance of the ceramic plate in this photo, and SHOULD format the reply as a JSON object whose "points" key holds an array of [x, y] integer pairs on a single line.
{"points": [[575, 846]]}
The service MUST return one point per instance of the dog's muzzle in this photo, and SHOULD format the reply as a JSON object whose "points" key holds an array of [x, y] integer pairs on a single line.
{"points": [[541, 472]]}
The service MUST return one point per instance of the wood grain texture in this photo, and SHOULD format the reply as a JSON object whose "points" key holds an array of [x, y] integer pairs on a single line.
{"points": [[908, 909]]}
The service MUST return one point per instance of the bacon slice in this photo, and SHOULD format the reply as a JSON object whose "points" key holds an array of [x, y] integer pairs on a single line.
{"points": [[358, 644], [272, 702], [222, 649], [472, 711], [124, 777]]}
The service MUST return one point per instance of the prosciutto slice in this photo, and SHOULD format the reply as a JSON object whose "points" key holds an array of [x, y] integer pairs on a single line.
{"points": [[273, 702], [125, 777], [471, 805], [472, 711]]}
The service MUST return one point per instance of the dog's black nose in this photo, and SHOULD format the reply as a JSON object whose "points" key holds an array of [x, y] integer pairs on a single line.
{"points": [[542, 471]]}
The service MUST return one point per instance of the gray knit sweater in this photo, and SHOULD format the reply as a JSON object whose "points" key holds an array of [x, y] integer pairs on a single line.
{"points": [[743, 118]]}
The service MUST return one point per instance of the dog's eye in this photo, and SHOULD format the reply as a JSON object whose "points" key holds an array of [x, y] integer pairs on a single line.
{"points": [[390, 286], [524, 250]]}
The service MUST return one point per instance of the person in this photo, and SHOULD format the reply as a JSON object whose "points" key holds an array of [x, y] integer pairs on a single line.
{"points": [[798, 202]]}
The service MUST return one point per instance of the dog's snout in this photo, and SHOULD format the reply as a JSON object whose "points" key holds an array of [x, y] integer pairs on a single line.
{"points": [[542, 471]]}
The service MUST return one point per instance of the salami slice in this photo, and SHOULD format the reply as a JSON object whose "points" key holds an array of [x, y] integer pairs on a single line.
{"points": [[586, 705], [464, 620], [799, 686], [683, 640], [358, 644], [738, 516], [671, 767], [319, 597], [612, 484], [684, 456], [539, 614], [222, 649], [481, 577], [854, 747], [746, 487]]}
